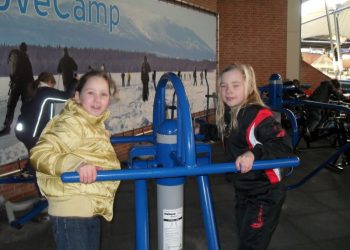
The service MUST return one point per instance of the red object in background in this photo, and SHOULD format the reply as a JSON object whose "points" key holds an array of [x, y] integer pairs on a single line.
{"points": [[308, 92]]}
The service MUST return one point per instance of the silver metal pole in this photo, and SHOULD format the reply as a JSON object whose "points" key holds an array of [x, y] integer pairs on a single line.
{"points": [[170, 217], [329, 27], [338, 42], [170, 193]]}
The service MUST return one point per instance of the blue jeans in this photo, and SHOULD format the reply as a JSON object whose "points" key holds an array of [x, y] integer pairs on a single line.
{"points": [[74, 233]]}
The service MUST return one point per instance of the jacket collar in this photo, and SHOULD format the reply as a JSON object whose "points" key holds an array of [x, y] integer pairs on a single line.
{"points": [[74, 107]]}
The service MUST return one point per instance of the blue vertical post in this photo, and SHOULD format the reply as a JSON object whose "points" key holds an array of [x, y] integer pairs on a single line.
{"points": [[170, 191], [141, 215], [275, 94], [207, 203], [208, 212], [275, 91]]}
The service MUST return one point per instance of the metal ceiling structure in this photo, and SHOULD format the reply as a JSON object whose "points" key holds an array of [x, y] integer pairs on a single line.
{"points": [[322, 19], [325, 24]]}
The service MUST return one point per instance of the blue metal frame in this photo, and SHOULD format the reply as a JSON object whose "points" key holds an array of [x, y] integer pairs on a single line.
{"points": [[37, 208], [184, 163], [154, 173], [334, 156], [275, 91], [321, 105], [293, 121], [276, 102], [41, 204], [275, 88], [17, 180]]}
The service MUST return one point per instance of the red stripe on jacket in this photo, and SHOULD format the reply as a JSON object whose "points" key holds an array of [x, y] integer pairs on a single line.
{"points": [[261, 116]]}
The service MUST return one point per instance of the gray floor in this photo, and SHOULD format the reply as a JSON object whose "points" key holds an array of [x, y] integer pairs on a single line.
{"points": [[315, 215]]}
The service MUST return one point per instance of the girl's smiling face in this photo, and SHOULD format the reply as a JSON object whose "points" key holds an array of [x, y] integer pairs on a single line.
{"points": [[94, 97], [232, 88]]}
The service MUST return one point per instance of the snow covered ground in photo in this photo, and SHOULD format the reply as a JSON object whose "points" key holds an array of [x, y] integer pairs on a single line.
{"points": [[128, 113]]}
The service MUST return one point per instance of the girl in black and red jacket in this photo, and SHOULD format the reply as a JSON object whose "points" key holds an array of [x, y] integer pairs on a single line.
{"points": [[250, 132]]}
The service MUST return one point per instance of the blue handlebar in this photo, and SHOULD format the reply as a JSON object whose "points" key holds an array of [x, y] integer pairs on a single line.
{"points": [[150, 173]]}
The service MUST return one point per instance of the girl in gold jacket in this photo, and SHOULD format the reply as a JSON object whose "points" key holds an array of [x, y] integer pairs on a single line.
{"points": [[76, 140]]}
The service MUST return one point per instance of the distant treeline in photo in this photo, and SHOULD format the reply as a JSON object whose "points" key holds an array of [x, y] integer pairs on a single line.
{"points": [[47, 58]]}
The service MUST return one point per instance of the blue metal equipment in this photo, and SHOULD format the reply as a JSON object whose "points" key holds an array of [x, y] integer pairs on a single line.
{"points": [[172, 155], [40, 204], [275, 90], [335, 155]]}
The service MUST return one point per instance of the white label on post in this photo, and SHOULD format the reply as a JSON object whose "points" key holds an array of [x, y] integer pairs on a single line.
{"points": [[172, 228]]}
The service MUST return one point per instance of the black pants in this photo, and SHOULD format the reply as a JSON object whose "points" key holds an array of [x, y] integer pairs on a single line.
{"points": [[145, 91], [16, 92], [314, 118], [257, 217], [26, 138], [29, 142]]}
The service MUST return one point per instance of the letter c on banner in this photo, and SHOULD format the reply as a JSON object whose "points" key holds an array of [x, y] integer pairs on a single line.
{"points": [[58, 11]]}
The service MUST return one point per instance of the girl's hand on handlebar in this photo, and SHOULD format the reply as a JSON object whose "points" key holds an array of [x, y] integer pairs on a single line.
{"points": [[244, 162]]}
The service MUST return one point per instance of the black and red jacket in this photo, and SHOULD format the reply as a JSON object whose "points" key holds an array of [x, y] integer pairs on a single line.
{"points": [[259, 132]]}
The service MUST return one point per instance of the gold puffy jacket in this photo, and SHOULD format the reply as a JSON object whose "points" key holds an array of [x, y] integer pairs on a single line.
{"points": [[70, 139]]}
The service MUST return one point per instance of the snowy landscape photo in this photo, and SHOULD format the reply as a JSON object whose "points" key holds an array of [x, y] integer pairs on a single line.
{"points": [[117, 35]]}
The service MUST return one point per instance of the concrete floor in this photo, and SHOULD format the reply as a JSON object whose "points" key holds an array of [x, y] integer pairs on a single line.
{"points": [[315, 215]]}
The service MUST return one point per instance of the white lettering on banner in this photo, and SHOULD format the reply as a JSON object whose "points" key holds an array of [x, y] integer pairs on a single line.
{"points": [[80, 10]]}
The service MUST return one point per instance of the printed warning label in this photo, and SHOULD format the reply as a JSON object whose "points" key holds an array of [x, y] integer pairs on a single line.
{"points": [[172, 228]]}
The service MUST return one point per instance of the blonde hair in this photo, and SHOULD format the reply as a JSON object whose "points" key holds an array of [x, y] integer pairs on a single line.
{"points": [[251, 96]]}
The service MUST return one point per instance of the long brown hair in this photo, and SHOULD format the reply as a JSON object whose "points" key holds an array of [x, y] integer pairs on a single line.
{"points": [[96, 73], [33, 87]]}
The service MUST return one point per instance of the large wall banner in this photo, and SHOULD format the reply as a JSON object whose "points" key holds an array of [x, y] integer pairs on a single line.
{"points": [[112, 35]]}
